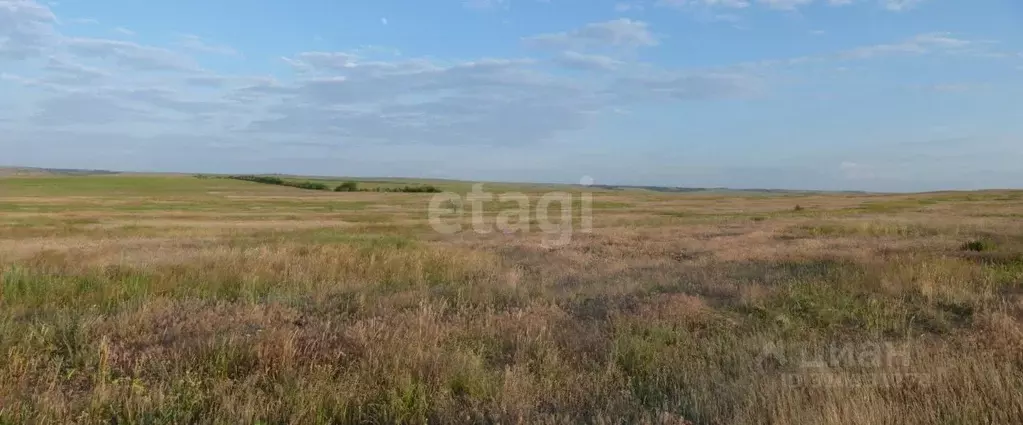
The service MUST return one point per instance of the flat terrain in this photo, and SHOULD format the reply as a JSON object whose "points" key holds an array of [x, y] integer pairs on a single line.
{"points": [[173, 299]]}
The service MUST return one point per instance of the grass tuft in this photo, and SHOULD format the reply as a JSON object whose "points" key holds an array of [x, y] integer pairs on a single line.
{"points": [[981, 245]]}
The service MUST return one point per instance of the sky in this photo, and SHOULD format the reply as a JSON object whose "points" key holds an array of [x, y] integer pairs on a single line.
{"points": [[879, 95]]}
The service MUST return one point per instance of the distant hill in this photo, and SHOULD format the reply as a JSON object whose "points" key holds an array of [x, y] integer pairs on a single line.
{"points": [[443, 183], [32, 171], [716, 190]]}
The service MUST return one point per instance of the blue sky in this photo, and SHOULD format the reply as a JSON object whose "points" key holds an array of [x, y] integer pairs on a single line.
{"points": [[885, 95]]}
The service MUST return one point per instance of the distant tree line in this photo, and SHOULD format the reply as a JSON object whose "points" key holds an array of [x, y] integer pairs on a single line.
{"points": [[281, 182], [348, 186], [352, 186], [409, 189]]}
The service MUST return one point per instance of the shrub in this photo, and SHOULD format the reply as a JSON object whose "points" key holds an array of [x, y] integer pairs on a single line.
{"points": [[419, 189], [281, 182], [260, 179], [798, 208], [307, 185], [978, 246], [409, 189], [349, 186]]}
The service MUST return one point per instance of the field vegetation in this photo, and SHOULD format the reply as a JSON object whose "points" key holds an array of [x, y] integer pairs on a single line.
{"points": [[175, 299], [347, 186]]}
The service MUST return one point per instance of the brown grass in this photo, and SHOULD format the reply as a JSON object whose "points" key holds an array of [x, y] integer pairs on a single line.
{"points": [[244, 306]]}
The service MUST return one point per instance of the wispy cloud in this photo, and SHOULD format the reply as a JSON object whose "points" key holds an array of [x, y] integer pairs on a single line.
{"points": [[197, 44], [83, 21], [900, 5], [25, 28], [920, 44], [781, 5], [618, 33], [486, 4], [132, 55], [578, 60]]}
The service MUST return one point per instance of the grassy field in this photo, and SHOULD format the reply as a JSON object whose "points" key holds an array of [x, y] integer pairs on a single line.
{"points": [[172, 299]]}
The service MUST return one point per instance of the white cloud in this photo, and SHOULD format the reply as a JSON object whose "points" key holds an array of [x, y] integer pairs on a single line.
{"points": [[485, 4], [197, 44], [358, 97], [618, 33], [213, 81], [25, 28], [900, 5], [489, 101], [578, 60], [920, 44], [499, 102], [210, 81], [675, 86], [783, 5], [82, 21], [61, 71], [308, 61], [678, 4], [629, 6], [131, 55]]}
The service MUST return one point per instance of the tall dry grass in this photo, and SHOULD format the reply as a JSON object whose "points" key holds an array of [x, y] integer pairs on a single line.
{"points": [[675, 310]]}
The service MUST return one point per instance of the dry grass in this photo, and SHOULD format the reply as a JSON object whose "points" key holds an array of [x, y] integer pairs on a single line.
{"points": [[214, 302]]}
